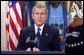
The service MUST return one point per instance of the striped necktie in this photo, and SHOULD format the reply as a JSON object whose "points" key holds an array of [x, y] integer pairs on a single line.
{"points": [[38, 35]]}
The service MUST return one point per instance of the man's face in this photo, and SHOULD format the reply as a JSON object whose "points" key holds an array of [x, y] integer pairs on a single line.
{"points": [[39, 16]]}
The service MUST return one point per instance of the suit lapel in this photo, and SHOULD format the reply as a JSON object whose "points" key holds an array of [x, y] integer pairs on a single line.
{"points": [[32, 31], [45, 32]]}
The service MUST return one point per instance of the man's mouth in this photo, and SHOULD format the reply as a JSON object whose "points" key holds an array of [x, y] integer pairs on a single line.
{"points": [[39, 20]]}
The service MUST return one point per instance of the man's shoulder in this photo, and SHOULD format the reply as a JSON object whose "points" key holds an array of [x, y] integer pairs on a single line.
{"points": [[52, 29], [28, 28]]}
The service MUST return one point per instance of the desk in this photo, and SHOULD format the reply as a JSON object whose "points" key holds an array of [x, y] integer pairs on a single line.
{"points": [[32, 52]]}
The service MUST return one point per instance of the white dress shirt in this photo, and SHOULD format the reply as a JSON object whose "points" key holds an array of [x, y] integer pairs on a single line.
{"points": [[36, 29]]}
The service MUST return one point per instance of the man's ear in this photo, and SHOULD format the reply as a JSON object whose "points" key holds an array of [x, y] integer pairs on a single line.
{"points": [[32, 15]]}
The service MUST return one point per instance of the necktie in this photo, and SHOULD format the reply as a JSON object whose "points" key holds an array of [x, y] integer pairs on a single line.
{"points": [[38, 35]]}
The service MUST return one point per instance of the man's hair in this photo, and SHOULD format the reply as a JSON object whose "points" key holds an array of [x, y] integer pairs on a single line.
{"points": [[39, 6]]}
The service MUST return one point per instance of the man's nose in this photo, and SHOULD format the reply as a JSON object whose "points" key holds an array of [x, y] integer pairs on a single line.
{"points": [[39, 16]]}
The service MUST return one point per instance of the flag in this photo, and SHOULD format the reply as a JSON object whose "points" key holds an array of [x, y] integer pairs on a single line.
{"points": [[75, 11], [74, 40], [13, 24], [25, 13]]}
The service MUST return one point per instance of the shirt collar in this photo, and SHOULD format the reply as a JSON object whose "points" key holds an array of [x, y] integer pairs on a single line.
{"points": [[41, 27]]}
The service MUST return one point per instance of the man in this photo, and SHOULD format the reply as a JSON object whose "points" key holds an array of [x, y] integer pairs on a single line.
{"points": [[47, 39]]}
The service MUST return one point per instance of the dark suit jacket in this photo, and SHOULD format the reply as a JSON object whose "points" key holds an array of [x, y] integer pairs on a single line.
{"points": [[48, 42]]}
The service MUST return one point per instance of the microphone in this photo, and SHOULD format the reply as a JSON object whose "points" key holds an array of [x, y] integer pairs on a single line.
{"points": [[30, 42]]}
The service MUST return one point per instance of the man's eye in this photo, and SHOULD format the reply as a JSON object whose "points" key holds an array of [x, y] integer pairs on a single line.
{"points": [[42, 13], [37, 13]]}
